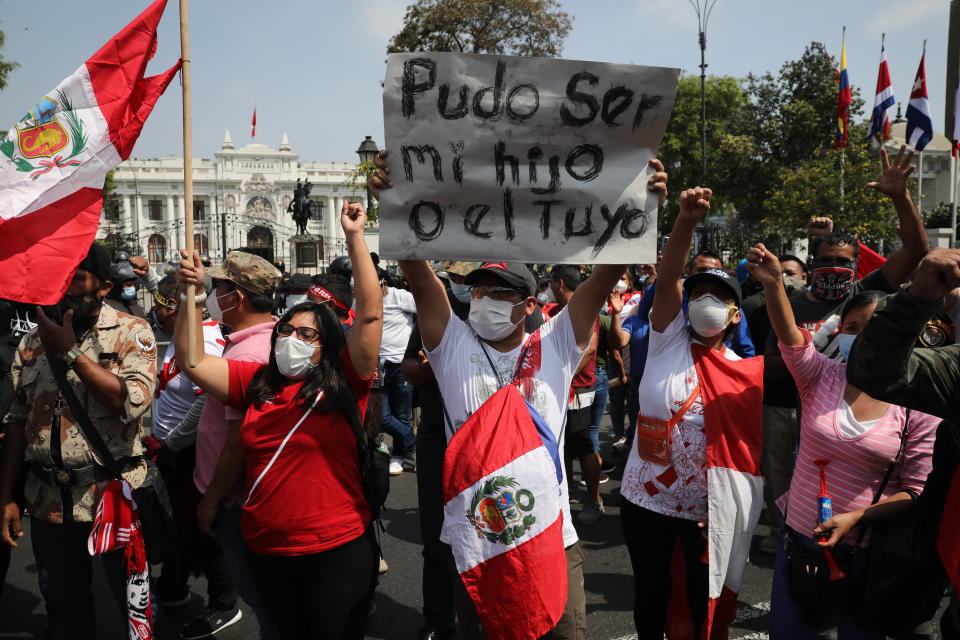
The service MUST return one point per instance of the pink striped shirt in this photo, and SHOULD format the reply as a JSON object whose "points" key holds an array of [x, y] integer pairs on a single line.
{"points": [[856, 465]]}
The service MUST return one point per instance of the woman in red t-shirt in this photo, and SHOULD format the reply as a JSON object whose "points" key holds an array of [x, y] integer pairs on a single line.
{"points": [[305, 519]]}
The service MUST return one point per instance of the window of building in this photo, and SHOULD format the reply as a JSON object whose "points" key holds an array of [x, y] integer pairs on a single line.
{"points": [[111, 210], [157, 248], [316, 209], [155, 207], [200, 244], [198, 210]]}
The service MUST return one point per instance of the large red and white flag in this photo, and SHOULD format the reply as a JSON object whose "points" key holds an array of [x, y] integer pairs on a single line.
{"points": [[503, 517], [54, 160]]}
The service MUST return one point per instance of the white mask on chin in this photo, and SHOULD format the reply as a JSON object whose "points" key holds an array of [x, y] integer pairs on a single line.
{"points": [[293, 357], [491, 318]]}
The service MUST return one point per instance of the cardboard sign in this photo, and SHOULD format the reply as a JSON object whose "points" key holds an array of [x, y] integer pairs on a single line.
{"points": [[521, 159]]}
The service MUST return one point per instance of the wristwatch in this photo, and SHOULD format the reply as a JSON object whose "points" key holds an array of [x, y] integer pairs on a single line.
{"points": [[70, 357]]}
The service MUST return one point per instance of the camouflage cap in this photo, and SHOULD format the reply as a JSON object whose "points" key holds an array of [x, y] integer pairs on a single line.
{"points": [[248, 271], [459, 268]]}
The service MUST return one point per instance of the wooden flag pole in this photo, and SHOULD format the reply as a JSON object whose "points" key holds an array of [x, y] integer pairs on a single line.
{"points": [[190, 308]]}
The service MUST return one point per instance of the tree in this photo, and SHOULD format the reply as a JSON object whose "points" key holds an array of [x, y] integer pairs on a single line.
{"points": [[680, 150], [511, 27], [6, 66], [357, 183], [812, 188]]}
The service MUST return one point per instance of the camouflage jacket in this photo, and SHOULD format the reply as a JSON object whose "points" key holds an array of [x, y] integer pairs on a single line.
{"points": [[886, 364], [125, 346]]}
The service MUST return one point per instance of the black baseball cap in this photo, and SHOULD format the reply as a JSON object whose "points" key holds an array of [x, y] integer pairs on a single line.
{"points": [[513, 274], [715, 275]]}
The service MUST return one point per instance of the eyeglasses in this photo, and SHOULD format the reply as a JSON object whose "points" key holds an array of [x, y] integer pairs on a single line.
{"points": [[501, 294], [163, 301], [307, 334]]}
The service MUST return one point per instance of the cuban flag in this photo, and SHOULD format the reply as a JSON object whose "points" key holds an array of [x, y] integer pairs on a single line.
{"points": [[844, 99], [54, 160], [503, 517], [919, 122], [880, 121]]}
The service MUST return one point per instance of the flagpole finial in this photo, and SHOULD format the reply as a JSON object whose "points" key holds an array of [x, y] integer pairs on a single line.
{"points": [[883, 40]]}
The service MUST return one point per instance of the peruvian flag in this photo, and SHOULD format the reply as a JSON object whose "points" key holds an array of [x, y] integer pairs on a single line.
{"points": [[919, 122], [54, 160], [503, 518], [253, 124], [733, 419]]}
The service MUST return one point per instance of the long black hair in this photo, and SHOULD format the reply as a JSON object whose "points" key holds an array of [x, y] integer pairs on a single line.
{"points": [[327, 376], [859, 301]]}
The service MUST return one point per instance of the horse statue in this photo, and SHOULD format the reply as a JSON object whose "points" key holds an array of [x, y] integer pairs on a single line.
{"points": [[301, 206]]}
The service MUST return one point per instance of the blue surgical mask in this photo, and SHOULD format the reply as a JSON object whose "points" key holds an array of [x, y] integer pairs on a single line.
{"points": [[129, 293], [844, 343]]}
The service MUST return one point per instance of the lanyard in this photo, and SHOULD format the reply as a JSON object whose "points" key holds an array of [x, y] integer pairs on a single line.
{"points": [[516, 371]]}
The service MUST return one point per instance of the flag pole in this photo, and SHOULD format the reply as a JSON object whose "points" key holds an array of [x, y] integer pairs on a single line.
{"points": [[843, 149], [843, 155], [953, 207], [920, 184], [190, 308]]}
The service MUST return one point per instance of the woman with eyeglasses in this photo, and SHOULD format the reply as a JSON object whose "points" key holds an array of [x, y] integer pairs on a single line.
{"points": [[305, 519]]}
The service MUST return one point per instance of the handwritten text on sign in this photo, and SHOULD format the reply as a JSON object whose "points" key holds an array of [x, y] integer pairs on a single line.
{"points": [[525, 159]]}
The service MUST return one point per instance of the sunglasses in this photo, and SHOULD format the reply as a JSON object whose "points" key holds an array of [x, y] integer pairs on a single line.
{"points": [[163, 301], [307, 334]]}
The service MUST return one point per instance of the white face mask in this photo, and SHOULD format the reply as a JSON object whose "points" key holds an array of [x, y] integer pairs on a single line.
{"points": [[460, 291], [294, 300], [621, 287], [213, 306], [491, 318], [708, 315], [293, 357], [845, 343]]}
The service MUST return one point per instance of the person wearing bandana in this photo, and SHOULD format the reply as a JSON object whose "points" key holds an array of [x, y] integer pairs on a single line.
{"points": [[831, 282]]}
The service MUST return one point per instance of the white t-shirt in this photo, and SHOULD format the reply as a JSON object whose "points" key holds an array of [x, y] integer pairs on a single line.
{"points": [[848, 425], [398, 312], [670, 376], [466, 380], [175, 392]]}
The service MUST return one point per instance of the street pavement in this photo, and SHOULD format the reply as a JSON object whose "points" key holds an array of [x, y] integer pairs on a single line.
{"points": [[607, 575]]}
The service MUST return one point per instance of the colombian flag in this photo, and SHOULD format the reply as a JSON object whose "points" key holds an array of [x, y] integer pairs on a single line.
{"points": [[844, 98]]}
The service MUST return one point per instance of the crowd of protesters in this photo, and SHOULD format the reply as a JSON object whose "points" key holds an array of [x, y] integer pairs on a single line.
{"points": [[802, 392]]}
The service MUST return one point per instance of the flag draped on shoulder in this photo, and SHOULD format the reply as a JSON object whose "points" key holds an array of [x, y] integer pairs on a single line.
{"points": [[733, 418], [880, 120], [844, 99], [503, 517], [919, 122], [54, 160]]}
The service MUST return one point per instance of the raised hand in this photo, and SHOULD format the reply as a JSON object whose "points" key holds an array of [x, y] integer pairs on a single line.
{"points": [[380, 179], [658, 181], [893, 180], [353, 218], [764, 266], [938, 273], [695, 203], [139, 264], [190, 271], [616, 302], [56, 338], [819, 226]]}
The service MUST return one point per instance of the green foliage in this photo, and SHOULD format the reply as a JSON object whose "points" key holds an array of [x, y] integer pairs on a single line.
{"points": [[108, 184], [511, 27], [357, 183], [490, 488], [812, 188], [939, 217], [6, 66], [6, 148]]}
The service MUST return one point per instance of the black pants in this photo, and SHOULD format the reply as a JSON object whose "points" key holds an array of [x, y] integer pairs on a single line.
{"points": [[320, 595], [438, 603], [650, 539]]}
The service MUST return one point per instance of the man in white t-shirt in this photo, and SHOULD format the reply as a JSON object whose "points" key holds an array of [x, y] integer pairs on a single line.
{"points": [[399, 315], [472, 360]]}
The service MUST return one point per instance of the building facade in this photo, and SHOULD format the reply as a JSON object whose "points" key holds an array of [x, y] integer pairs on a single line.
{"points": [[240, 199]]}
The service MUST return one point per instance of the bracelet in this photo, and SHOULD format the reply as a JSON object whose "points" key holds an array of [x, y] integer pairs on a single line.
{"points": [[197, 299]]}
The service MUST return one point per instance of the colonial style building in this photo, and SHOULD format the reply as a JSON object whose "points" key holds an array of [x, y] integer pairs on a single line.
{"points": [[240, 199]]}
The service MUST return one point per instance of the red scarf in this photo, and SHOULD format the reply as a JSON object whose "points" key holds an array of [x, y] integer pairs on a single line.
{"points": [[117, 526]]}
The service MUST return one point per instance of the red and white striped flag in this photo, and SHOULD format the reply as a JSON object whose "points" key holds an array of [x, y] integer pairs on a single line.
{"points": [[54, 160], [502, 517]]}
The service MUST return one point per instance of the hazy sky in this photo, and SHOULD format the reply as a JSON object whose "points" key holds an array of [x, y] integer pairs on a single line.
{"points": [[313, 68]]}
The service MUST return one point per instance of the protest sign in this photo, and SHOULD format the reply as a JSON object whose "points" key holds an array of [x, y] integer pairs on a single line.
{"points": [[524, 159]]}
